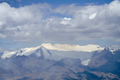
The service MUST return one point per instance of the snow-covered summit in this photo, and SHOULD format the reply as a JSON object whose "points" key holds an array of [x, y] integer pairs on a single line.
{"points": [[110, 49], [58, 52], [27, 51]]}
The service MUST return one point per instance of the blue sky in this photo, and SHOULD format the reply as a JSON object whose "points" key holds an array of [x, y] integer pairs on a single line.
{"points": [[29, 23], [18, 3]]}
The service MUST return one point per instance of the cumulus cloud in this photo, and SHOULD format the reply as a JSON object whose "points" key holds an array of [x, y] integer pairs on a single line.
{"points": [[40, 21], [65, 21], [21, 24], [67, 47]]}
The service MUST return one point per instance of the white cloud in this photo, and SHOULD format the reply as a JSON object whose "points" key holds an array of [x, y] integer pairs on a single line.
{"points": [[65, 21], [67, 47], [92, 16], [67, 18], [40, 21], [21, 24]]}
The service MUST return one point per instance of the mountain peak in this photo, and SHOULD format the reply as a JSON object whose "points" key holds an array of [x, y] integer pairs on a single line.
{"points": [[27, 51], [43, 52], [42, 47], [107, 48], [100, 58]]}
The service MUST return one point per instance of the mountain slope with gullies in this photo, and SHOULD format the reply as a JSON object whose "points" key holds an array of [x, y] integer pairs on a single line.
{"points": [[106, 61], [99, 59]]}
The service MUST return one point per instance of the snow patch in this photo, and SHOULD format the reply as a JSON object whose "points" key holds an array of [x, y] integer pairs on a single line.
{"points": [[112, 50], [26, 51], [46, 54], [8, 54], [85, 62], [23, 51], [38, 54]]}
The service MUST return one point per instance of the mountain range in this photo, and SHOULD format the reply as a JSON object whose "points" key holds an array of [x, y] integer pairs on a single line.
{"points": [[41, 63]]}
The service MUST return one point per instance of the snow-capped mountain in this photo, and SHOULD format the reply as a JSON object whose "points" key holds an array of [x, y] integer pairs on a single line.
{"points": [[40, 63], [45, 53], [38, 51], [23, 51]]}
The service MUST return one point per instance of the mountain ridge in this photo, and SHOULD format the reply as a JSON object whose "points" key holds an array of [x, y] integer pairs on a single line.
{"points": [[38, 66]]}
